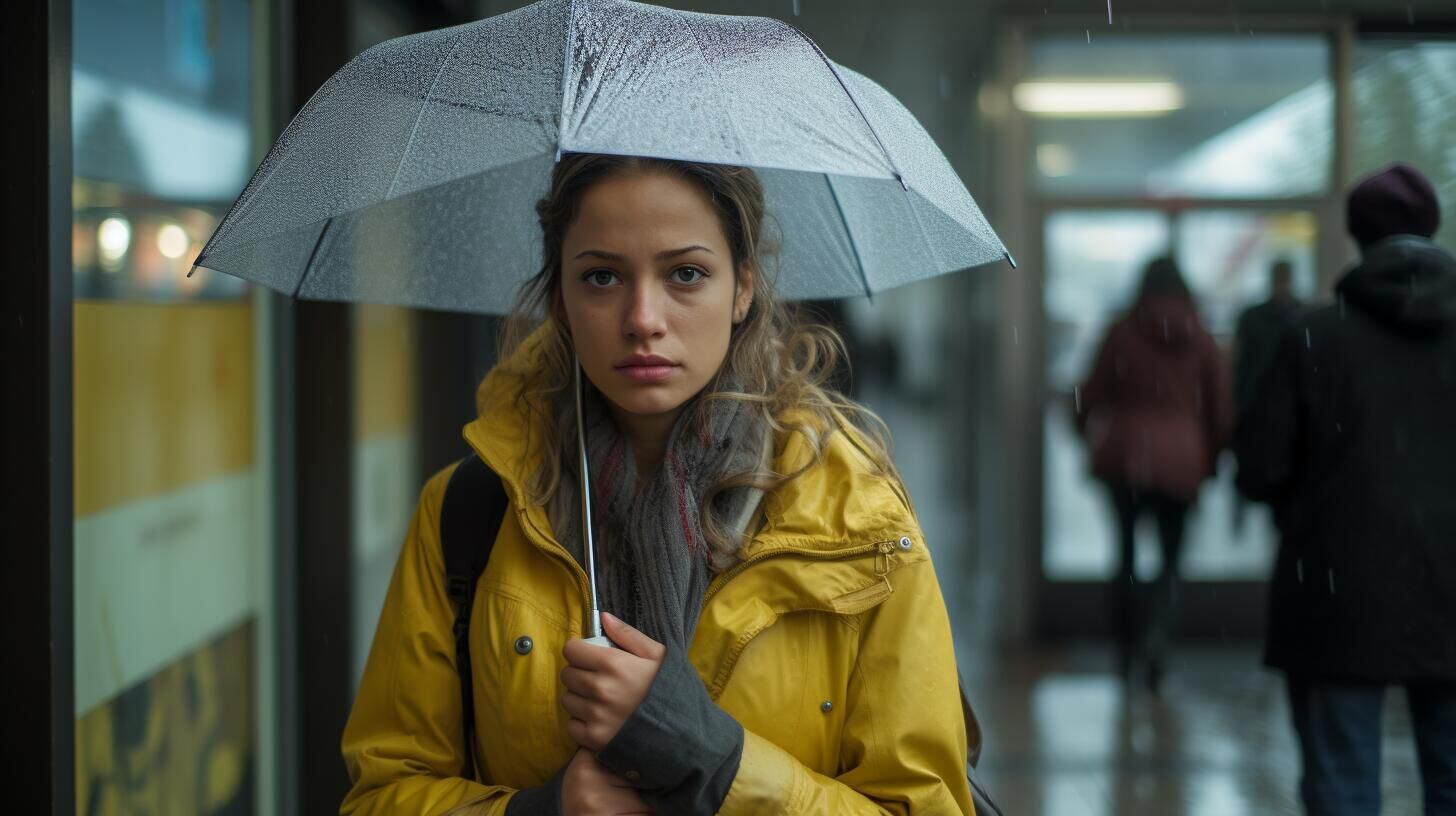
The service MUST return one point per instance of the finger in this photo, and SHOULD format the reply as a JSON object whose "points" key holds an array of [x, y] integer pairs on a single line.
{"points": [[630, 640], [584, 655], [585, 683], [581, 734], [579, 707]]}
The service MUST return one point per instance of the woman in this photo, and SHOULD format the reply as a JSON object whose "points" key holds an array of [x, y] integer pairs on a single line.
{"points": [[1156, 412], [783, 646]]}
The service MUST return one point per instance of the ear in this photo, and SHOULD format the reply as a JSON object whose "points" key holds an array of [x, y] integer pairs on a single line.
{"points": [[743, 293]]}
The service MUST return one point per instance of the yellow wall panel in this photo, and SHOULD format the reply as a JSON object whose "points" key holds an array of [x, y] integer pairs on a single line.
{"points": [[384, 371], [163, 397]]}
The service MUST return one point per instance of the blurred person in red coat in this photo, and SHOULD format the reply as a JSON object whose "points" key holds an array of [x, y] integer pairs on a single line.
{"points": [[1155, 411]]}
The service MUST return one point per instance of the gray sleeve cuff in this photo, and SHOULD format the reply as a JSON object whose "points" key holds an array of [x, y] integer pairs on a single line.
{"points": [[679, 749], [542, 801]]}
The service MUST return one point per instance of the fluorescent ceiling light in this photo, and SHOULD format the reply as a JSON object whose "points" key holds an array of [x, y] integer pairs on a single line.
{"points": [[1092, 99]]}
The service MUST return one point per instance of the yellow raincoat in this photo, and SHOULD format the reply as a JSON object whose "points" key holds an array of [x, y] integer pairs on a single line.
{"points": [[829, 644]]}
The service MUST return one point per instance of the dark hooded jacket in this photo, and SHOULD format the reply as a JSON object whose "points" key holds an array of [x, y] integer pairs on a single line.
{"points": [[1352, 442], [1156, 409]]}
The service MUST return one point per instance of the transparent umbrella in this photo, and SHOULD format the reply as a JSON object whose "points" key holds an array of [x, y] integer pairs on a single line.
{"points": [[410, 177]]}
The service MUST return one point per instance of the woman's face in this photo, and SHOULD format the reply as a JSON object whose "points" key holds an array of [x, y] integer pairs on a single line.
{"points": [[648, 286]]}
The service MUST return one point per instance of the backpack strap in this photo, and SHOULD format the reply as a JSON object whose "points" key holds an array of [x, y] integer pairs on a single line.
{"points": [[474, 505], [982, 800]]}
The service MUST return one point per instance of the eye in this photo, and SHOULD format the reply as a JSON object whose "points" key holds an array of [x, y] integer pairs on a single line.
{"points": [[688, 274], [600, 277]]}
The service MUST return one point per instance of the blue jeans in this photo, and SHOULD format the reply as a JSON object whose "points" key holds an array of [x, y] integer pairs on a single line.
{"points": [[1339, 742]]}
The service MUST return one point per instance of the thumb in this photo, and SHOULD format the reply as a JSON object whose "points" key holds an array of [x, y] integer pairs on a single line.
{"points": [[630, 640]]}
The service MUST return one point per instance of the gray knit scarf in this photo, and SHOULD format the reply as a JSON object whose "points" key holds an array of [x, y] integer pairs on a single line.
{"points": [[653, 561]]}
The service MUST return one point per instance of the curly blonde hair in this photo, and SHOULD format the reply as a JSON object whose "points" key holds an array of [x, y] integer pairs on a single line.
{"points": [[782, 363]]}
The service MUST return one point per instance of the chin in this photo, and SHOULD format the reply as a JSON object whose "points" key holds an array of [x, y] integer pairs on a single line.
{"points": [[647, 404], [647, 400]]}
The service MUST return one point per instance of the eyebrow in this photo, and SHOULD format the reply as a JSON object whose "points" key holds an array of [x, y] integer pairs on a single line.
{"points": [[612, 256]]}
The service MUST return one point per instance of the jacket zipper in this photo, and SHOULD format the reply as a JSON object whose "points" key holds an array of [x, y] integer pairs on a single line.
{"points": [[554, 549]]}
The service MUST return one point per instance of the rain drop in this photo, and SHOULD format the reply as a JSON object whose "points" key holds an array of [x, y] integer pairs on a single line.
{"points": [[1077, 397], [1410, 15], [1299, 570], [1306, 339], [1089, 36], [1331, 575], [1016, 335], [796, 8], [1109, 12]]}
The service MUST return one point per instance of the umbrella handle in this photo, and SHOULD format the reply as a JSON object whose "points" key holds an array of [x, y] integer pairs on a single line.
{"points": [[600, 640]]}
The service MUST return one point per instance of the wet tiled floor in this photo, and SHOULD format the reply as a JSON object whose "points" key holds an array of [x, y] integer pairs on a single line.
{"points": [[1062, 736]]}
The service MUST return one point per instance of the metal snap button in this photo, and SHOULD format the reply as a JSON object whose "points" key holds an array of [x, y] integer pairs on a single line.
{"points": [[524, 644], [906, 543], [826, 706]]}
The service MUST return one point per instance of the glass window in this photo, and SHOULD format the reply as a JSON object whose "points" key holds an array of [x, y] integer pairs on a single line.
{"points": [[1405, 108], [173, 605], [1207, 115]]}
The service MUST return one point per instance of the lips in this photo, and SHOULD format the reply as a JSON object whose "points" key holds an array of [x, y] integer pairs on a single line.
{"points": [[646, 367]]}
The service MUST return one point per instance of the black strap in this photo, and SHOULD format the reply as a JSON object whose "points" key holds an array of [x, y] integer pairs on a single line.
{"points": [[474, 505]]}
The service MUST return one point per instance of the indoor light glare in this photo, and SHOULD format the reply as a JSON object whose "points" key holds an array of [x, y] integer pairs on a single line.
{"points": [[1046, 98], [113, 237], [172, 241]]}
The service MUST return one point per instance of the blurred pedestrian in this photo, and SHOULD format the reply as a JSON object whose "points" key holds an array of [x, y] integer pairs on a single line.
{"points": [[1257, 336], [1351, 440], [1155, 413], [1255, 341]]}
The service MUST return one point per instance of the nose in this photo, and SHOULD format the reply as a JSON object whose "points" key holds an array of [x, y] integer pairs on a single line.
{"points": [[645, 317]]}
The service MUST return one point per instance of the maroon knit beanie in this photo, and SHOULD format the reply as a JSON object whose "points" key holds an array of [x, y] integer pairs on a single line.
{"points": [[1397, 200]]}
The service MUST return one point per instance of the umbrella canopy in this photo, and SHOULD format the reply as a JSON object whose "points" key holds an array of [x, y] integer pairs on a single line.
{"points": [[410, 177]]}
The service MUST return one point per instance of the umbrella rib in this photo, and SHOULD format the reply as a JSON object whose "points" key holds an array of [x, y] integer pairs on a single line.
{"points": [[565, 72], [311, 255], [853, 245], [420, 114], [855, 102]]}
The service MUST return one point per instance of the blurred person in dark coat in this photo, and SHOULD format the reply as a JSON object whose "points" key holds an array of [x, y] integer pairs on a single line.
{"points": [[1257, 337], [1255, 342], [1155, 412], [1352, 440]]}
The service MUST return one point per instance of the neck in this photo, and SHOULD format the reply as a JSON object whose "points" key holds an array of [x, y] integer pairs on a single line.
{"points": [[647, 434]]}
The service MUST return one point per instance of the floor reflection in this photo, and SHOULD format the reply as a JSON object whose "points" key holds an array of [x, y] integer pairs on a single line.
{"points": [[1062, 736]]}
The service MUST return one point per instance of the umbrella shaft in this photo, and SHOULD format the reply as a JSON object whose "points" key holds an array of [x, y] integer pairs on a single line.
{"points": [[589, 546]]}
